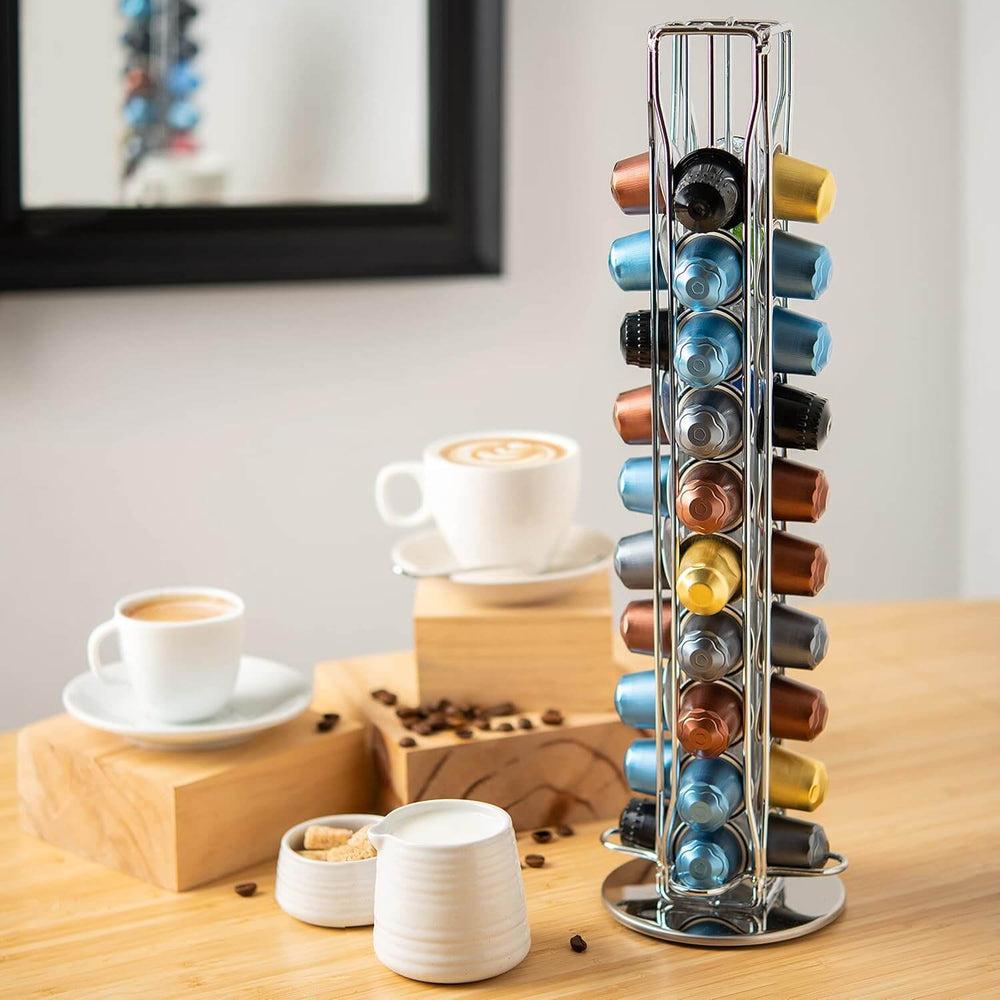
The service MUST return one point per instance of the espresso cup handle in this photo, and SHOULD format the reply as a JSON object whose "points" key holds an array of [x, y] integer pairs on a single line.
{"points": [[97, 637], [389, 514]]}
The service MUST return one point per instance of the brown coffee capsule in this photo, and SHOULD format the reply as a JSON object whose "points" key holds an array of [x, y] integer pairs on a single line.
{"points": [[630, 184], [798, 492], [710, 497], [709, 718], [798, 711], [798, 566], [638, 625], [633, 416]]}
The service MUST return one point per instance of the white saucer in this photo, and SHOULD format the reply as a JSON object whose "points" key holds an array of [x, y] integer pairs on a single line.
{"points": [[266, 695], [584, 553]]}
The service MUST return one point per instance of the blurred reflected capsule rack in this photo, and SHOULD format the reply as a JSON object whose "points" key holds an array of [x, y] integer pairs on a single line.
{"points": [[720, 864]]}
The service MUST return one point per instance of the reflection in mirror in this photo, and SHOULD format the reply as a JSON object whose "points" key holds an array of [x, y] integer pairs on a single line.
{"points": [[232, 102]]}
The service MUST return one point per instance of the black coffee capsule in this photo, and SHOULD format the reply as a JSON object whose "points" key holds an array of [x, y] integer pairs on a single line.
{"points": [[798, 639]]}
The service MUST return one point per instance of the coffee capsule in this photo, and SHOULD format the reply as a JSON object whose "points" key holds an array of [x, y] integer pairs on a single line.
{"points": [[798, 566], [637, 824], [801, 344], [801, 419], [182, 116], [628, 262], [709, 646], [798, 639], [137, 9], [635, 338], [182, 80], [708, 348], [707, 860], [710, 423], [798, 711], [710, 497], [708, 270], [709, 576], [801, 269], [709, 718], [638, 626], [630, 184], [708, 190], [633, 416], [633, 559], [137, 37], [640, 765], [797, 781], [635, 700], [798, 492], [803, 192], [791, 843], [635, 484], [138, 111], [187, 49], [709, 793]]}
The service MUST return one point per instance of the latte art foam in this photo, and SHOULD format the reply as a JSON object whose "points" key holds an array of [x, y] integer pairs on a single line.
{"points": [[503, 452]]}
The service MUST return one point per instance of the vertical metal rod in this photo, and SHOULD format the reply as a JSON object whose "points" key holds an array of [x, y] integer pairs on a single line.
{"points": [[729, 94], [711, 90]]}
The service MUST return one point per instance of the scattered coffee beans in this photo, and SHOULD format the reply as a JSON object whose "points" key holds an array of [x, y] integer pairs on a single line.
{"points": [[481, 723], [534, 860], [565, 830], [503, 708], [245, 888], [525, 724], [423, 728], [331, 717], [504, 727], [325, 725], [577, 943], [407, 741], [464, 734], [552, 717], [542, 836], [386, 697]]}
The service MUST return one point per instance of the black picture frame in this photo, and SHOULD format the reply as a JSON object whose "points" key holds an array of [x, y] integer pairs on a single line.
{"points": [[455, 231]]}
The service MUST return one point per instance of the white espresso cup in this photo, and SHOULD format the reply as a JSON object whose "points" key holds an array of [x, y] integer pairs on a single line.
{"points": [[499, 498], [179, 670]]}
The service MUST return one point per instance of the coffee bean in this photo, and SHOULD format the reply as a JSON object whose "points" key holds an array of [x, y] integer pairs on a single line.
{"points": [[525, 724], [331, 717], [325, 725], [542, 836], [464, 707], [245, 888], [464, 734], [534, 860], [565, 830], [503, 708], [386, 697], [423, 728], [504, 727], [407, 712], [552, 717], [481, 723], [456, 720], [577, 943], [407, 741], [377, 692]]}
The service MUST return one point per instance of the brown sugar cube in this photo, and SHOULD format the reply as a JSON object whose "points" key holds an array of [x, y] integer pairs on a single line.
{"points": [[351, 852], [321, 838], [312, 855], [360, 836]]}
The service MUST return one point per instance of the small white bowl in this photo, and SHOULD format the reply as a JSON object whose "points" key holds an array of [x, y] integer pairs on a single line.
{"points": [[326, 893]]}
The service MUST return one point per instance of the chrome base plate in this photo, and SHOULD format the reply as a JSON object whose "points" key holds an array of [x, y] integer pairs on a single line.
{"points": [[801, 906]]}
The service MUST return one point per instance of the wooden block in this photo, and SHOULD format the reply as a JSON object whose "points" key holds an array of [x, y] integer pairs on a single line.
{"points": [[541, 776], [181, 819], [539, 655]]}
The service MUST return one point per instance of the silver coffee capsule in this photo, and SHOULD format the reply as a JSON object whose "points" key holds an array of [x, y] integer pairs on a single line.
{"points": [[709, 646]]}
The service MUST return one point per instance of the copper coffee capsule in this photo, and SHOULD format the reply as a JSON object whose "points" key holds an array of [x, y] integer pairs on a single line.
{"points": [[638, 626], [709, 718], [633, 415], [630, 185], [798, 492], [710, 497], [798, 566], [798, 711]]}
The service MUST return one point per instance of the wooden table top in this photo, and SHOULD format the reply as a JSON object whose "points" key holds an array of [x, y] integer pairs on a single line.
{"points": [[914, 801]]}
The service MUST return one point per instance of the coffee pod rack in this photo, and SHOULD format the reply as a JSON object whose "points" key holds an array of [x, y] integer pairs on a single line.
{"points": [[730, 88]]}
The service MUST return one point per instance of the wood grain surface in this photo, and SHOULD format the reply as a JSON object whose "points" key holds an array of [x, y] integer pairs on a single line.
{"points": [[912, 749]]}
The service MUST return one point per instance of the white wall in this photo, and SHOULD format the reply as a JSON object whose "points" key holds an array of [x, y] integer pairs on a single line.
{"points": [[231, 436]]}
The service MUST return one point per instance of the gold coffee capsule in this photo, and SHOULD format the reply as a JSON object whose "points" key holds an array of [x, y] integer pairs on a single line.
{"points": [[710, 574], [797, 781], [803, 192]]}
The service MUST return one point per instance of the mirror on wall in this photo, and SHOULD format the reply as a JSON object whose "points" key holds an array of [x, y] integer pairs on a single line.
{"points": [[175, 141]]}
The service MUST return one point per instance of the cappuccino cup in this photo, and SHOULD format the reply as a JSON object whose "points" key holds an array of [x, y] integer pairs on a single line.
{"points": [[181, 649], [503, 498]]}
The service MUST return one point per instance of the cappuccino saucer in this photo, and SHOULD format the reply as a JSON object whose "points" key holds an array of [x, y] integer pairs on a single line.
{"points": [[266, 695], [584, 552]]}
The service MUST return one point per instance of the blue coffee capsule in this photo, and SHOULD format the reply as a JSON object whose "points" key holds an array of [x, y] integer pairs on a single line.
{"points": [[707, 860], [710, 791], [708, 348], [640, 766], [801, 343], [182, 115], [635, 484], [182, 80], [138, 111], [635, 699], [708, 270], [135, 8], [801, 268], [628, 261]]}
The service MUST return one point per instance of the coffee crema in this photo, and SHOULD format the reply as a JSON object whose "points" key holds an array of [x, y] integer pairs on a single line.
{"points": [[502, 452], [180, 608]]}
